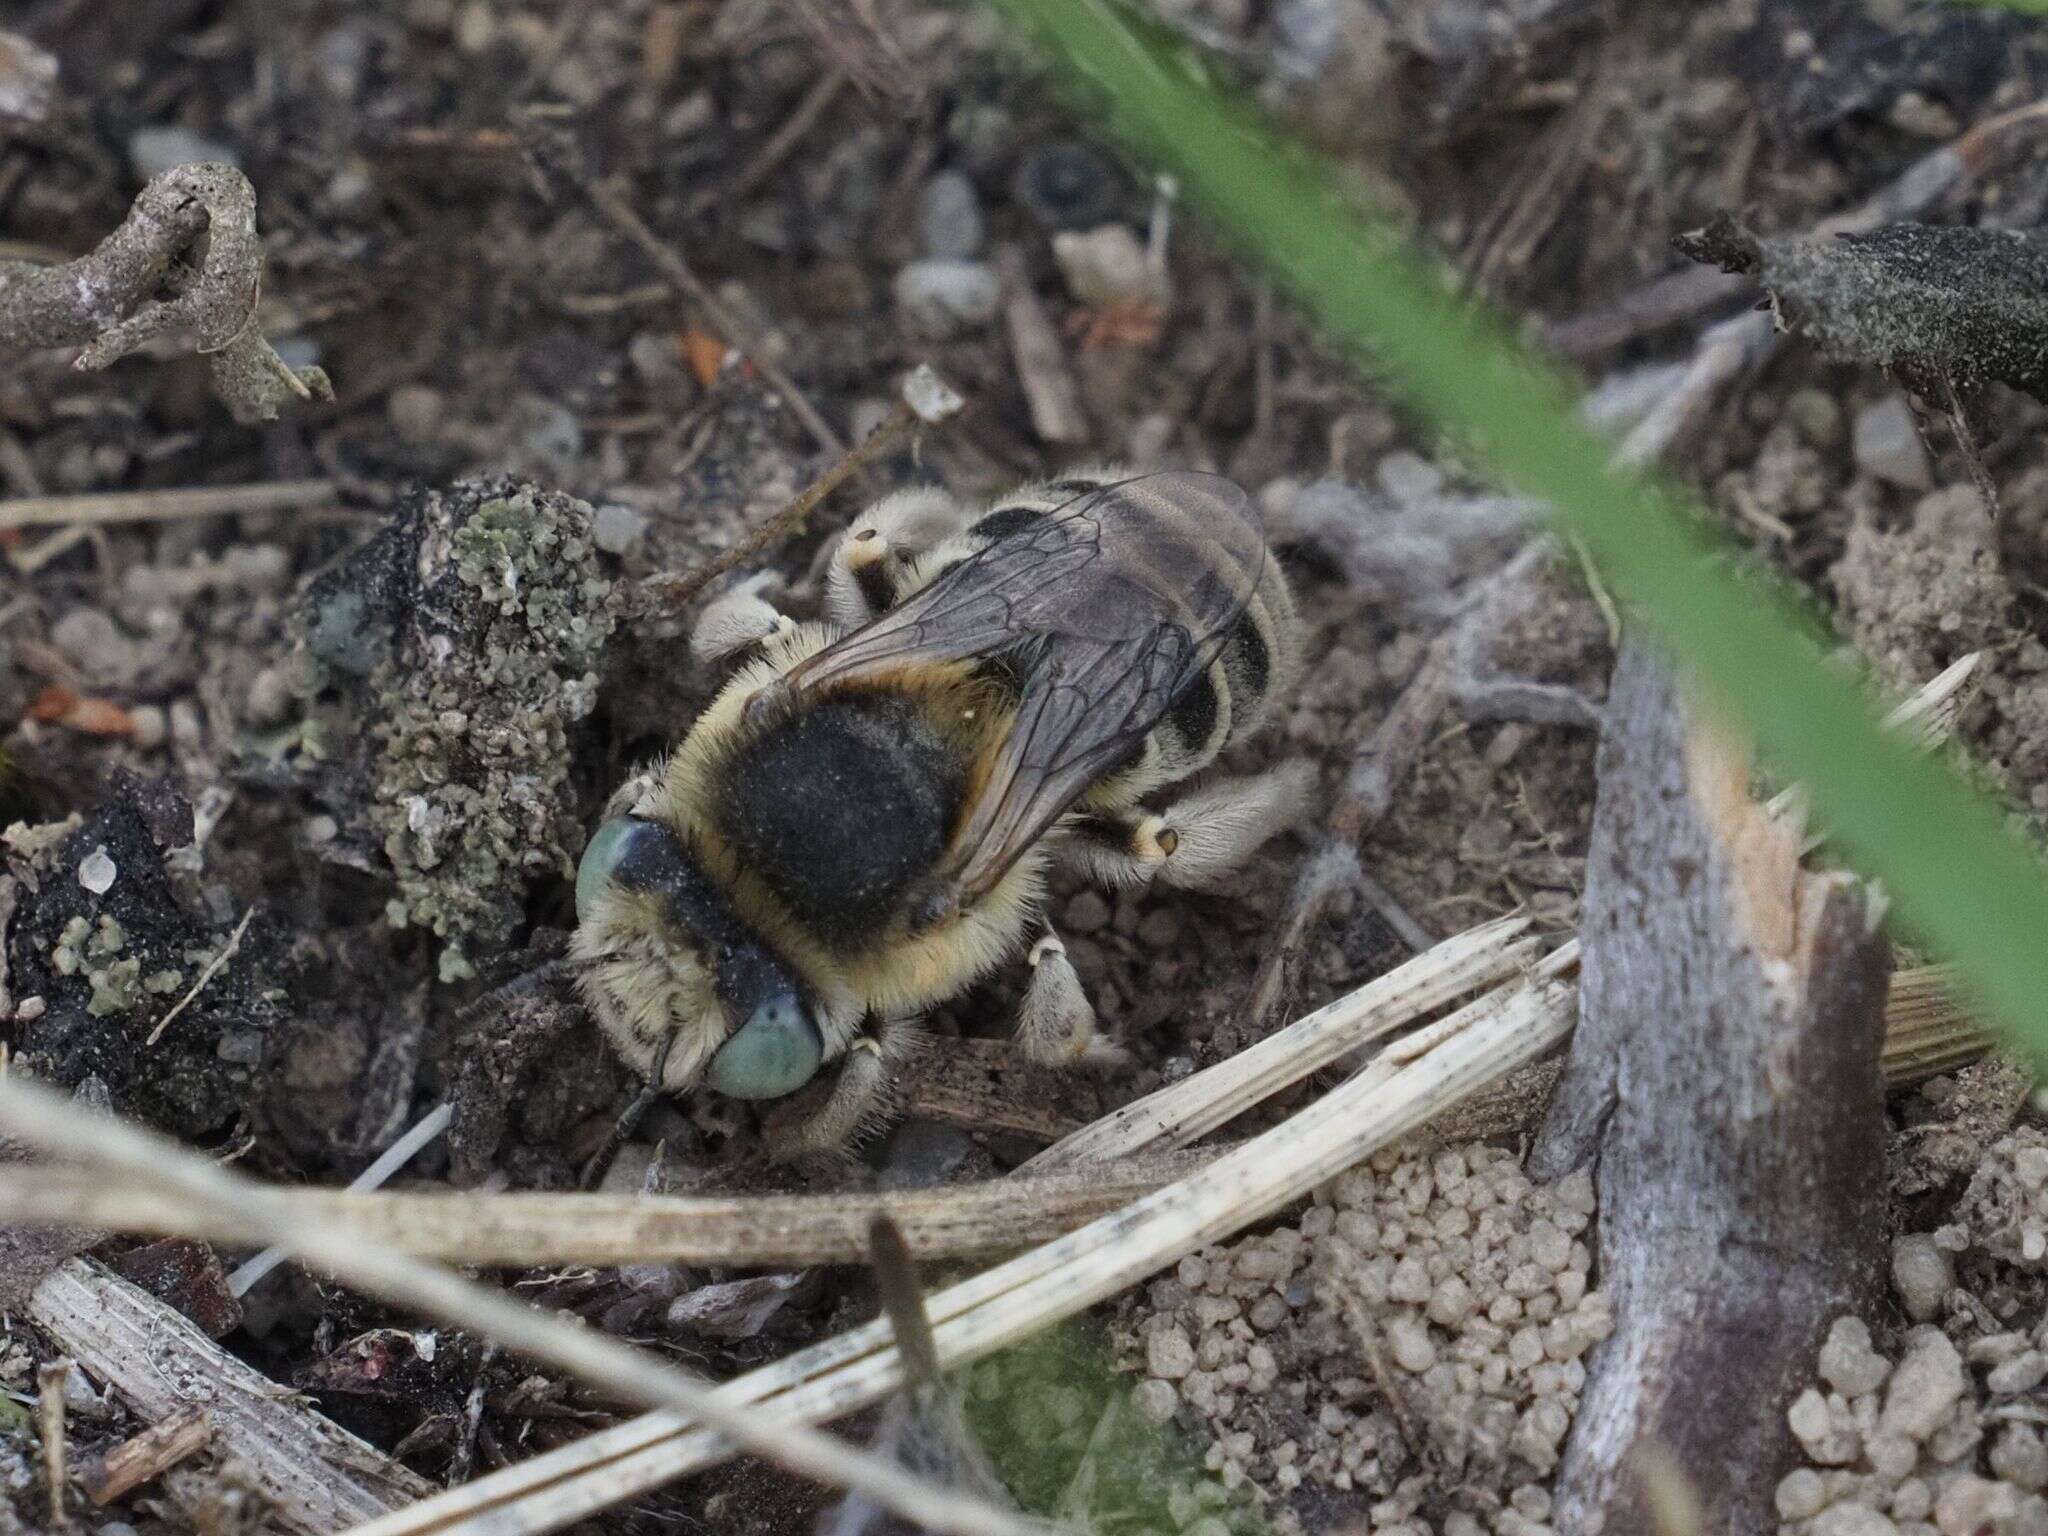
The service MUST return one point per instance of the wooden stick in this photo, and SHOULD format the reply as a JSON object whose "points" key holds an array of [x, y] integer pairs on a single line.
{"points": [[164, 506], [317, 1477], [966, 1221], [145, 1457]]}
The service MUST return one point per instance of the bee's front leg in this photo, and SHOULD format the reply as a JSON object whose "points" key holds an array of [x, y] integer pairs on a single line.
{"points": [[861, 1095], [736, 621]]}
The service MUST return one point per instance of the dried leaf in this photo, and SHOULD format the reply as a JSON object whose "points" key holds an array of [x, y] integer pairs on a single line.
{"points": [[93, 717], [704, 353]]}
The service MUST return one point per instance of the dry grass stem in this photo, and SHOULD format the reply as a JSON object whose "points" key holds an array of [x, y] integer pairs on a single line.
{"points": [[1181, 1113], [50, 1427], [98, 507], [41, 1118], [967, 1221], [1926, 1033]]}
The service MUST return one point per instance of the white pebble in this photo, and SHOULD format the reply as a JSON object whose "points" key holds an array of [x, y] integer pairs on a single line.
{"points": [[1922, 1273], [96, 871]]}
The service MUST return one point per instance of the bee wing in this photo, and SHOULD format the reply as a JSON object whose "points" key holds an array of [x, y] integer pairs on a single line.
{"points": [[1105, 610]]}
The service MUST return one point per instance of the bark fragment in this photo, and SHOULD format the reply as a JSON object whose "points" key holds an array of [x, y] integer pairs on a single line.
{"points": [[1724, 1082]]}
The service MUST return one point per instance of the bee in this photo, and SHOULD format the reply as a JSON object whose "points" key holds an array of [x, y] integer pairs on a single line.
{"points": [[861, 824]]}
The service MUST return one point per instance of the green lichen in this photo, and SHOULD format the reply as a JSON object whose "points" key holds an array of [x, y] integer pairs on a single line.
{"points": [[475, 710], [116, 988], [68, 957], [161, 982]]}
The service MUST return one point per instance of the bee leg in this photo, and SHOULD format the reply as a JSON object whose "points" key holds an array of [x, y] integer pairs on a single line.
{"points": [[1197, 841], [1216, 830], [737, 620], [1119, 848], [860, 1100], [1056, 1022], [867, 574]]}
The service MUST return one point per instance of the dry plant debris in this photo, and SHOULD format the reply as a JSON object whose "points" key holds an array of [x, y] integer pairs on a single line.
{"points": [[185, 262]]}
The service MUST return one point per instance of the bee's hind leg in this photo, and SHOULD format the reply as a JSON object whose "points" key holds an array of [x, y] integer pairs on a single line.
{"points": [[737, 620], [1056, 1022], [861, 1098], [1201, 839]]}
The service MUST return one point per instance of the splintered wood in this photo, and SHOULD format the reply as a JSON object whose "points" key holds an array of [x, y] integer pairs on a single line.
{"points": [[316, 1477], [1741, 999]]}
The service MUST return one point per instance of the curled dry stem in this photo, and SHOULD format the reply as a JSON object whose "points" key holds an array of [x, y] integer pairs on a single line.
{"points": [[186, 261]]}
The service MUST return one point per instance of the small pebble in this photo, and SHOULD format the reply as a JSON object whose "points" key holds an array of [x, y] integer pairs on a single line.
{"points": [[416, 413], [147, 727], [942, 297], [1107, 268], [1922, 1274], [1801, 1495], [270, 697], [94, 642], [1848, 1363], [1086, 912], [96, 871], [949, 218], [1852, 1520], [617, 529], [1815, 416], [1156, 1401], [155, 150], [1888, 445], [1926, 1385], [1168, 1354], [28, 80]]}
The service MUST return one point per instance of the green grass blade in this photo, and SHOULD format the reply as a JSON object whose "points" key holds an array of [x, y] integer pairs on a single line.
{"points": [[1959, 879]]}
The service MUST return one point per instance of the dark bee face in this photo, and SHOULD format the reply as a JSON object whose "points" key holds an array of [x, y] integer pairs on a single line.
{"points": [[772, 1045]]}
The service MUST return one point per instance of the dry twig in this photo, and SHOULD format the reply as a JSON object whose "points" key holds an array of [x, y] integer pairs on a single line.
{"points": [[560, 159], [143, 1458], [186, 260], [926, 400]]}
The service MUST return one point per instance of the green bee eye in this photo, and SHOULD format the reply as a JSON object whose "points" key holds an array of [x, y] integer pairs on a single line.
{"points": [[774, 1053], [601, 856]]}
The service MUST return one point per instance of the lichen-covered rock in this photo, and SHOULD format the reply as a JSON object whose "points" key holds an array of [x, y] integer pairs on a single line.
{"points": [[105, 945], [464, 642]]}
